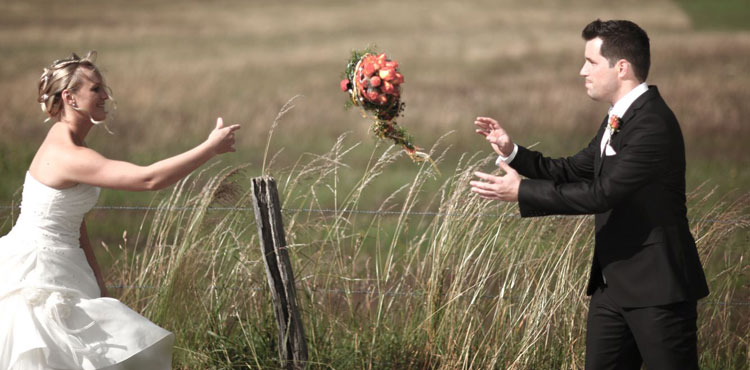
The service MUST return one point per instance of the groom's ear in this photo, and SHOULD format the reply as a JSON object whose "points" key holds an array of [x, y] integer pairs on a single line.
{"points": [[624, 68]]}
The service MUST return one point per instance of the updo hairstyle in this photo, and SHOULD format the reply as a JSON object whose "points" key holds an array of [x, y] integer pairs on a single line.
{"points": [[64, 74]]}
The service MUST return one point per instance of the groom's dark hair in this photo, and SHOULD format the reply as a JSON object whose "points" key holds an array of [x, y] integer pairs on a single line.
{"points": [[622, 40]]}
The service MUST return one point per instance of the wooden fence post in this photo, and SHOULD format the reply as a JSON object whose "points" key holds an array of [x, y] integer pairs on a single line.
{"points": [[292, 343]]}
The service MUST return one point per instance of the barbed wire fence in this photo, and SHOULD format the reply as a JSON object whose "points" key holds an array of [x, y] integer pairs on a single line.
{"points": [[742, 223]]}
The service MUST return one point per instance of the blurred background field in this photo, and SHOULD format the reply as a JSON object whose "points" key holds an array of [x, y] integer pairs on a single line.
{"points": [[174, 66]]}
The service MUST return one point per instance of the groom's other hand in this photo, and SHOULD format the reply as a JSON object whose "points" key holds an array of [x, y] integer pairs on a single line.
{"points": [[503, 187], [495, 134]]}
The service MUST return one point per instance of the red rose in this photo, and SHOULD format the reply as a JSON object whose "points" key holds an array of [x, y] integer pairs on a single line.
{"points": [[344, 85], [375, 81]]}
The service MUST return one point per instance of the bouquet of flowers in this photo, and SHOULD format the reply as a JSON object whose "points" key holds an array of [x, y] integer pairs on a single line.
{"points": [[373, 83]]}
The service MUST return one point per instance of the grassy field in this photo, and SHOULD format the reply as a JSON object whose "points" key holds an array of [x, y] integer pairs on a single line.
{"points": [[470, 287], [174, 66], [718, 15]]}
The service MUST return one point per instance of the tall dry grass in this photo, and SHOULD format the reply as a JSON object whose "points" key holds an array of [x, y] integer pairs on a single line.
{"points": [[471, 286]]}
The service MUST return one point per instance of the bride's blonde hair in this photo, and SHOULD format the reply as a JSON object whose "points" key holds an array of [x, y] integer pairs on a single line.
{"points": [[64, 74]]}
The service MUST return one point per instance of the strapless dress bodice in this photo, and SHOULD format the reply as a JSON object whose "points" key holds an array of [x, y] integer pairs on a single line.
{"points": [[55, 215]]}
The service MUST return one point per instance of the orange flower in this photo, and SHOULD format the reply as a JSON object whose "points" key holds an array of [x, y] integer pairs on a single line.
{"points": [[388, 87], [387, 74], [368, 69], [381, 60], [371, 94], [398, 79]]}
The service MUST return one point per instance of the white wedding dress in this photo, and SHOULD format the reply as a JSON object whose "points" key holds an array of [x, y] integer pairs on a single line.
{"points": [[51, 313]]}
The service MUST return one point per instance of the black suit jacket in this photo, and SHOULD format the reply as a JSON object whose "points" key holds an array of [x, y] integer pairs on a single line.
{"points": [[643, 243]]}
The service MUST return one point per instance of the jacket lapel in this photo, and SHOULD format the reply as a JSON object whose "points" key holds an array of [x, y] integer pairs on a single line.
{"points": [[638, 104], [598, 160], [652, 92]]}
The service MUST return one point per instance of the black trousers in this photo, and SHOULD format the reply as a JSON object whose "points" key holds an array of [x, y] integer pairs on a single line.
{"points": [[662, 337]]}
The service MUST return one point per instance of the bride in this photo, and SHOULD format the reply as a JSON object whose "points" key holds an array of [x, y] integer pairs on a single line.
{"points": [[54, 313]]}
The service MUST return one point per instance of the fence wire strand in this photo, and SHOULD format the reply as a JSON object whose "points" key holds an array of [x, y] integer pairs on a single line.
{"points": [[396, 293], [741, 222]]}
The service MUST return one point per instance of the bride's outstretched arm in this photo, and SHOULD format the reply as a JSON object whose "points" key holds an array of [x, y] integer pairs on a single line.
{"points": [[83, 165], [91, 258]]}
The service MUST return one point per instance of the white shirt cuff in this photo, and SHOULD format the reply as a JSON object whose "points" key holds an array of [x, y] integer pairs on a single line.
{"points": [[509, 158]]}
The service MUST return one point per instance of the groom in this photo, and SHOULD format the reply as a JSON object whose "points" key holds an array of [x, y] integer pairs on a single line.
{"points": [[645, 275]]}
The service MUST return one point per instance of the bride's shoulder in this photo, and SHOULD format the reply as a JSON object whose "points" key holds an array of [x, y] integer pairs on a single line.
{"points": [[59, 149]]}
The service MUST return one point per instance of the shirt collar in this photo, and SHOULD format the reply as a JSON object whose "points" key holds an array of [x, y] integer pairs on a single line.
{"points": [[624, 103]]}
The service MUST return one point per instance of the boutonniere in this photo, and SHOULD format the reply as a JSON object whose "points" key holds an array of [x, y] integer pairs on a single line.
{"points": [[614, 124]]}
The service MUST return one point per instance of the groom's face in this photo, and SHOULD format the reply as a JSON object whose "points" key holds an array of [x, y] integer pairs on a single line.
{"points": [[601, 79]]}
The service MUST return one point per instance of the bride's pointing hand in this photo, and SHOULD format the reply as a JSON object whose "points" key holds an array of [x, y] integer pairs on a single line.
{"points": [[221, 139]]}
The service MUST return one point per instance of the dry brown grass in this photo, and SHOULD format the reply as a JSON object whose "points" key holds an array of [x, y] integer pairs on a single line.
{"points": [[471, 287]]}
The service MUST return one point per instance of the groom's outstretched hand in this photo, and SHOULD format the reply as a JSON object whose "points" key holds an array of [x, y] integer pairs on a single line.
{"points": [[503, 187], [495, 134]]}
